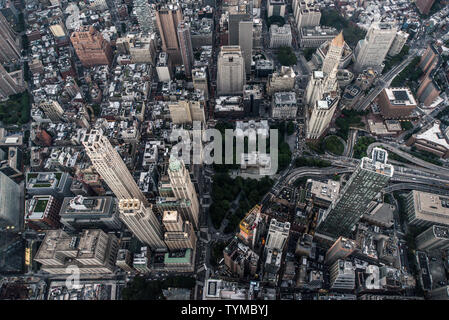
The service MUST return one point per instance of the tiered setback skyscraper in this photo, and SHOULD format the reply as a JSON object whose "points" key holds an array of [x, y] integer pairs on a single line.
{"points": [[333, 54], [142, 222], [168, 19], [183, 187], [135, 211], [10, 50], [231, 71], [185, 45], [108, 163], [90, 46], [365, 183], [371, 51]]}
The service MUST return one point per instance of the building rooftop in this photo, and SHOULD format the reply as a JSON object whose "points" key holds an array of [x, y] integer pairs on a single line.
{"points": [[378, 162], [435, 135], [400, 96], [431, 207]]}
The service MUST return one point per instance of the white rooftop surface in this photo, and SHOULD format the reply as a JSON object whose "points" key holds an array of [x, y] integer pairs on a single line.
{"points": [[434, 135]]}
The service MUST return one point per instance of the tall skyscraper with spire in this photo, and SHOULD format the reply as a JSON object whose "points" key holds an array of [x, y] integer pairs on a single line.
{"points": [[333, 54], [108, 163], [365, 183], [135, 211], [322, 92]]}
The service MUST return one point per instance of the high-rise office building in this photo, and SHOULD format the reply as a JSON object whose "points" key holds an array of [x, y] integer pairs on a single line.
{"points": [[341, 249], [91, 48], [277, 235], [10, 49], [52, 109], [398, 43], [179, 234], [168, 18], [200, 82], [282, 80], [90, 213], [108, 163], [342, 275], [42, 213], [10, 202], [315, 88], [434, 238], [424, 6], [231, 71], [371, 175], [185, 45], [333, 55], [10, 83], [371, 51], [320, 116], [307, 13], [186, 111], [144, 14], [425, 209], [92, 251], [237, 13], [183, 187], [276, 8], [280, 36], [142, 222], [246, 42]]}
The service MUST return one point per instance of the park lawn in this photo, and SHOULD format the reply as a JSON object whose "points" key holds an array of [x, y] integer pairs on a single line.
{"points": [[334, 145]]}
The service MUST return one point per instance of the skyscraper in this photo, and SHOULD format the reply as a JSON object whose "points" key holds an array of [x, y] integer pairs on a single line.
{"points": [[236, 14], [277, 235], [10, 83], [320, 116], [341, 249], [52, 109], [183, 187], [90, 46], [314, 90], [186, 111], [231, 71], [371, 51], [307, 13], [424, 5], [108, 163], [333, 54], [179, 234], [365, 183], [142, 221], [168, 19], [398, 43], [10, 202], [185, 45], [10, 50], [144, 15], [246, 42]]}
